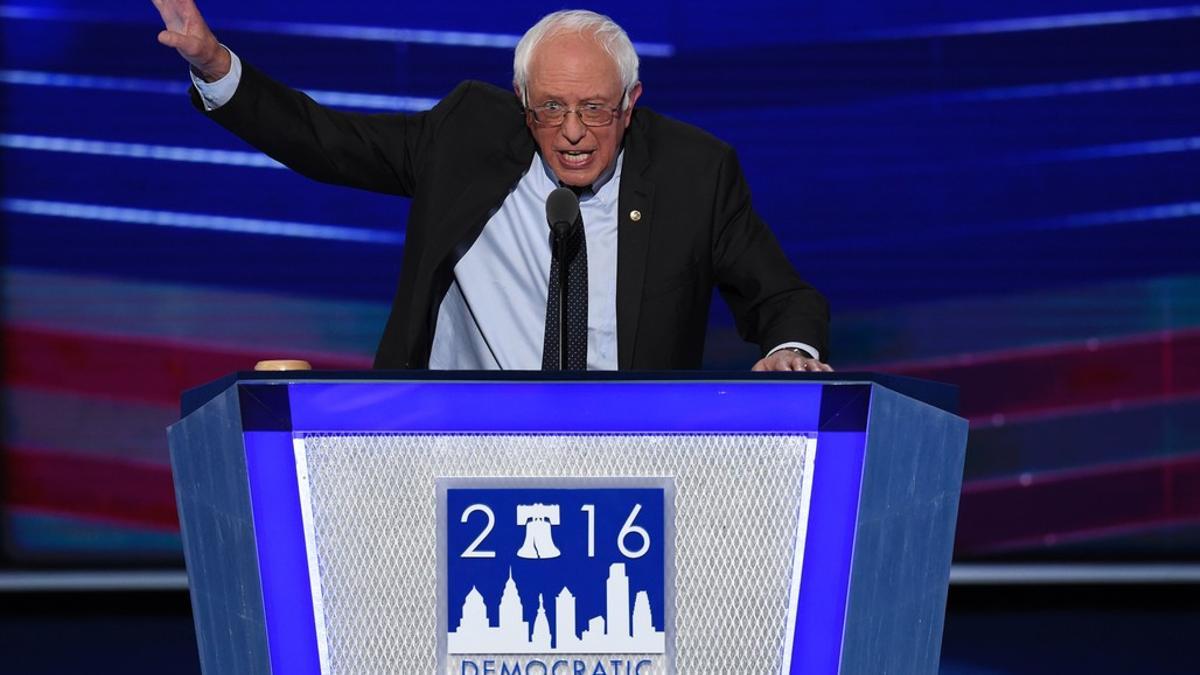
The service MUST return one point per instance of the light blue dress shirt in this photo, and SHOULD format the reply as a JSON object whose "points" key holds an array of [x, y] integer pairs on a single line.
{"points": [[494, 315]]}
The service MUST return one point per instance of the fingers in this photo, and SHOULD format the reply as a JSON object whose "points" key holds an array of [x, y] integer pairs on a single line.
{"points": [[787, 361], [181, 16], [204, 54], [171, 16], [812, 366], [190, 47]]}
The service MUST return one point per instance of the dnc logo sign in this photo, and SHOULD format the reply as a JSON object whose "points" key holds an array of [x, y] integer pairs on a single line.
{"points": [[555, 576]]}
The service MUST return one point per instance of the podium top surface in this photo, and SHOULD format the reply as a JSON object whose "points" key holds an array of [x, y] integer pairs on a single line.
{"points": [[936, 394]]}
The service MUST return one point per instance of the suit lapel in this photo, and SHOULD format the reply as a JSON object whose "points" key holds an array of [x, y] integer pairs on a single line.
{"points": [[485, 190], [462, 224], [635, 213]]}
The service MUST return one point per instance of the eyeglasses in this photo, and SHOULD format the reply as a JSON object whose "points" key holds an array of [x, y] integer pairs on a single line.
{"points": [[554, 114]]}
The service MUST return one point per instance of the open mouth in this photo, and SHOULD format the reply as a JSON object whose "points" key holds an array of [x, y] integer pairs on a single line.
{"points": [[573, 158]]}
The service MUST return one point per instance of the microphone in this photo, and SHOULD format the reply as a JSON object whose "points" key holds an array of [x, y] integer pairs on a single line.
{"points": [[562, 210]]}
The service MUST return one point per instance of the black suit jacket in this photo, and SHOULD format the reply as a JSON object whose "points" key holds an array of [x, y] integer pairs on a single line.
{"points": [[694, 227]]}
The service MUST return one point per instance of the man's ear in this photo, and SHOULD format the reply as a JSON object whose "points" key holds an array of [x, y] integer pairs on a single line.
{"points": [[635, 92]]}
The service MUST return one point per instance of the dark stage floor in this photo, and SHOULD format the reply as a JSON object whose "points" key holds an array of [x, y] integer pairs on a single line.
{"points": [[989, 629]]}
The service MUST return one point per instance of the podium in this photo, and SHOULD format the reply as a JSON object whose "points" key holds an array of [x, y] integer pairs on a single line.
{"points": [[480, 524]]}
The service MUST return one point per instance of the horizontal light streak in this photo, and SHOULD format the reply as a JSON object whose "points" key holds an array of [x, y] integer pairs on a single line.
{"points": [[1036, 23], [1146, 148], [38, 78], [1099, 85], [1103, 85], [341, 99], [350, 99], [793, 111], [170, 153], [198, 221], [451, 38], [1039, 157], [1139, 214], [1161, 146], [1024, 574], [448, 38], [26, 581]]}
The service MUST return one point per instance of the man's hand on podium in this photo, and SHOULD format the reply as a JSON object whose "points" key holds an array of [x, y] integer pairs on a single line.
{"points": [[790, 360], [187, 32]]}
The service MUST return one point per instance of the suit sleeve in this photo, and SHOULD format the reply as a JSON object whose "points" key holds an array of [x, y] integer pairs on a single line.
{"points": [[771, 304], [381, 153]]}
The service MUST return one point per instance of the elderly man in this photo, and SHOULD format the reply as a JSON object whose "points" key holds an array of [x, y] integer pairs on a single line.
{"points": [[665, 210]]}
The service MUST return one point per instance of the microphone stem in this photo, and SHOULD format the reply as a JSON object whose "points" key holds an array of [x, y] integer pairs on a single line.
{"points": [[560, 242]]}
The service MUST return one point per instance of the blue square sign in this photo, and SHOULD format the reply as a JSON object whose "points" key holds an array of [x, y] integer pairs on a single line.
{"points": [[560, 571]]}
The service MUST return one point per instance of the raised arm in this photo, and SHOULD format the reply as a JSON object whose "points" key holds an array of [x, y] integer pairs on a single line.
{"points": [[370, 152], [186, 31]]}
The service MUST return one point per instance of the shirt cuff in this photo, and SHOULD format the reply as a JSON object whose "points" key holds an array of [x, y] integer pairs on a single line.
{"points": [[216, 94], [798, 345]]}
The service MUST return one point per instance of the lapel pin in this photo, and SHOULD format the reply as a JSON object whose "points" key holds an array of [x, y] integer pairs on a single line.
{"points": [[635, 215]]}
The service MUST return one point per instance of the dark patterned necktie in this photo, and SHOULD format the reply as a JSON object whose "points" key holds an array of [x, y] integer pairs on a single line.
{"points": [[577, 292]]}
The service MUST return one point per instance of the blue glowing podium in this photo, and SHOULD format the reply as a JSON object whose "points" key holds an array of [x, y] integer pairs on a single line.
{"points": [[480, 524]]}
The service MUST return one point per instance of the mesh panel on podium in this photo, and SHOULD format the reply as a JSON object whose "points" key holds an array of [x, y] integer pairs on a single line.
{"points": [[738, 503]]}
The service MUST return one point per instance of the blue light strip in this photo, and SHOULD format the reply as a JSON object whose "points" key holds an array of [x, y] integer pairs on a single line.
{"points": [[37, 78], [1149, 148], [556, 407], [1139, 214], [169, 153], [1159, 146], [350, 99], [1035, 23], [828, 553], [449, 38], [1104, 85], [198, 221], [282, 556], [341, 99]]}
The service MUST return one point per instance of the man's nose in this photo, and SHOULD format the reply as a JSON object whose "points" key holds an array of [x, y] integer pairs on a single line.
{"points": [[572, 127]]}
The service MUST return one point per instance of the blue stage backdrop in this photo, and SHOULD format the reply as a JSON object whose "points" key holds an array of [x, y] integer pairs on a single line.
{"points": [[1004, 195]]}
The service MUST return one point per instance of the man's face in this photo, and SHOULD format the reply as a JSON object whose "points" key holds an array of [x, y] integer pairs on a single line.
{"points": [[573, 70]]}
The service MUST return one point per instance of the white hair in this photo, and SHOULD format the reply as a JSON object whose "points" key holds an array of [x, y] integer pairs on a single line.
{"points": [[608, 34]]}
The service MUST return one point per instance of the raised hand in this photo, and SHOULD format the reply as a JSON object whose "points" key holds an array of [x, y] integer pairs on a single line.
{"points": [[189, 35]]}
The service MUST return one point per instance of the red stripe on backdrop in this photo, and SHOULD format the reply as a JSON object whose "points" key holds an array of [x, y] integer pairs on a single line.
{"points": [[1160, 366], [1044, 509], [133, 368], [110, 490]]}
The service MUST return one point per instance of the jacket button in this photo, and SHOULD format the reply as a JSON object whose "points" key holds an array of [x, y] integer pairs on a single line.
{"points": [[635, 215]]}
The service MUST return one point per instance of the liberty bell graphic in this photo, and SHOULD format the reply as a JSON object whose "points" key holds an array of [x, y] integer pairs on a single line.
{"points": [[537, 519]]}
